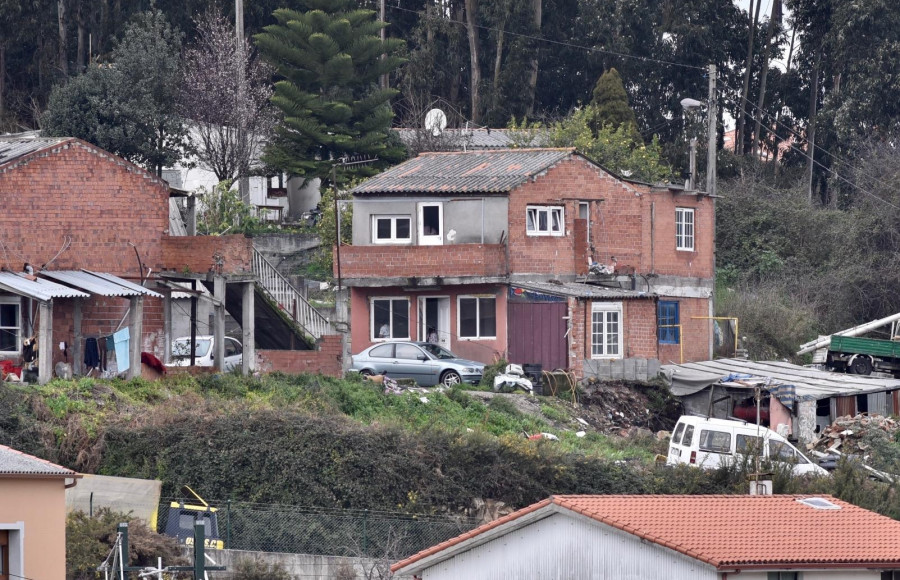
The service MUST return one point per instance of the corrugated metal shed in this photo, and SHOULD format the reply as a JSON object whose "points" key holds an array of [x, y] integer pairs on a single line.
{"points": [[465, 172], [689, 378], [98, 283], [579, 290], [39, 289], [13, 148]]}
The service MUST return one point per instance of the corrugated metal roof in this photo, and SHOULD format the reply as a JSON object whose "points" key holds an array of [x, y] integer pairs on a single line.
{"points": [[692, 377], [469, 138], [465, 172], [13, 148], [39, 289], [14, 462], [578, 290], [99, 283]]}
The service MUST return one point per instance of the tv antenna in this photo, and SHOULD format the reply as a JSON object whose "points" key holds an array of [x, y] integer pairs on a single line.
{"points": [[435, 121]]}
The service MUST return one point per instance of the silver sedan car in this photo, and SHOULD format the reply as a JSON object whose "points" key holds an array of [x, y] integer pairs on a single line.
{"points": [[426, 363]]}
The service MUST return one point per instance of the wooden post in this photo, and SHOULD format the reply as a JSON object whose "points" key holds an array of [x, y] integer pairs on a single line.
{"points": [[219, 323], [135, 338], [45, 342], [248, 325]]}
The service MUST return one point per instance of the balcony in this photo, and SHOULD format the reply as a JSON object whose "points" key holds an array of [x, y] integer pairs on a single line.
{"points": [[449, 261]]}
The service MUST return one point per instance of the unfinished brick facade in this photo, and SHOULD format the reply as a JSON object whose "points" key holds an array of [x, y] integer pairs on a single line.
{"points": [[629, 226]]}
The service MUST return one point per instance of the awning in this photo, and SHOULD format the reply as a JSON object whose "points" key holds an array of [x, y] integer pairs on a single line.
{"points": [[578, 290], [689, 378], [99, 283], [38, 289]]}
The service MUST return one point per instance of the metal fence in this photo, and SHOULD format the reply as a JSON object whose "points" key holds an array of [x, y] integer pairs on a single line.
{"points": [[332, 532]]}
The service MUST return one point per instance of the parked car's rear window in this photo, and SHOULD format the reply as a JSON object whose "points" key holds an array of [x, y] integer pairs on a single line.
{"points": [[676, 437], [688, 436], [715, 441], [383, 351]]}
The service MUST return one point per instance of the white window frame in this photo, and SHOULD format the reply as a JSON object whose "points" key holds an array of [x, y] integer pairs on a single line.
{"points": [[533, 216], [585, 208], [393, 239], [373, 332], [16, 548], [477, 298], [685, 229], [18, 302], [431, 239], [605, 310]]}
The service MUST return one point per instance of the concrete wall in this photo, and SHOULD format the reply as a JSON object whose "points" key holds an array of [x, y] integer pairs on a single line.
{"points": [[628, 369], [303, 566], [302, 196], [464, 219], [40, 506]]}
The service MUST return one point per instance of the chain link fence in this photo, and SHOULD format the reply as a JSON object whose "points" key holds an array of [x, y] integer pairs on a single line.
{"points": [[322, 531]]}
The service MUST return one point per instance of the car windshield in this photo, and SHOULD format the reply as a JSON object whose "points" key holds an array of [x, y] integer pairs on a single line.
{"points": [[438, 351], [182, 347]]}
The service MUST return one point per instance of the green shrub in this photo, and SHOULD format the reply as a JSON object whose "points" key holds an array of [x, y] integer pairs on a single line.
{"points": [[491, 371], [257, 569]]}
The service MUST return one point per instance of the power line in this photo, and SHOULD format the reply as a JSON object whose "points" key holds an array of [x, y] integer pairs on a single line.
{"points": [[563, 43]]}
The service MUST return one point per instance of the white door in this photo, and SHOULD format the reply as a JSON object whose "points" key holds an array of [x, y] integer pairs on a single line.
{"points": [[434, 314], [431, 224]]}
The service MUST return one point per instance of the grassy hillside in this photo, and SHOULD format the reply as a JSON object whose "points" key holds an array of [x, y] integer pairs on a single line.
{"points": [[317, 441]]}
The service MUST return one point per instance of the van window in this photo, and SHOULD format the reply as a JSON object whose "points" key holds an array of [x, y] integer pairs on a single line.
{"points": [[715, 441], [676, 437], [781, 451], [688, 436], [748, 444]]}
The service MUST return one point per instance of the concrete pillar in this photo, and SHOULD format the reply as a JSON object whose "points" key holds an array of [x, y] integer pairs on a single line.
{"points": [[77, 348], [219, 323], [45, 342], [342, 324], [135, 336], [248, 325], [167, 327], [191, 212]]}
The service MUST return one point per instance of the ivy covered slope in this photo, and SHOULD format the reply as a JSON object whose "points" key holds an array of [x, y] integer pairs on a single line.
{"points": [[316, 441]]}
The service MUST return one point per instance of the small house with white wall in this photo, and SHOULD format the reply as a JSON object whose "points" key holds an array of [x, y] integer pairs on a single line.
{"points": [[714, 537]]}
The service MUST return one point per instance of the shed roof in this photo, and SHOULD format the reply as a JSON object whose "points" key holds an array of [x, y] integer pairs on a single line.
{"points": [[99, 283], [12, 148], [37, 289], [497, 171], [725, 531], [689, 378], [472, 138], [13, 462]]}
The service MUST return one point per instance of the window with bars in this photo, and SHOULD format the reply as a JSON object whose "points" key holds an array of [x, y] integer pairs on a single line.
{"points": [[606, 330]]}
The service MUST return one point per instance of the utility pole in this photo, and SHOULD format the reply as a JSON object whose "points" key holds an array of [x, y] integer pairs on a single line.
{"points": [[239, 23], [243, 180]]}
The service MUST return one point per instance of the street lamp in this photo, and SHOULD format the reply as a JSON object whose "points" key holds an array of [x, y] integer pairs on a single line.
{"points": [[710, 105]]}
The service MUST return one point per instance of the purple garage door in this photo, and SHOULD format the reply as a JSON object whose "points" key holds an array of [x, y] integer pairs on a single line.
{"points": [[537, 334]]}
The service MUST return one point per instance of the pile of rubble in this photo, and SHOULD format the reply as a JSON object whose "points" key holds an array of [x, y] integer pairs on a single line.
{"points": [[848, 434]]}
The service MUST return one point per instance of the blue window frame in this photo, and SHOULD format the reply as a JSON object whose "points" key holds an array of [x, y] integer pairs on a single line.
{"points": [[666, 319]]}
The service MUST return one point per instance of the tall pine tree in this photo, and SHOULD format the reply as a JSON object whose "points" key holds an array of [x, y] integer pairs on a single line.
{"points": [[610, 106], [329, 60]]}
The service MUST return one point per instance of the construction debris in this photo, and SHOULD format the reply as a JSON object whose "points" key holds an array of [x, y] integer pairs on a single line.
{"points": [[850, 434]]}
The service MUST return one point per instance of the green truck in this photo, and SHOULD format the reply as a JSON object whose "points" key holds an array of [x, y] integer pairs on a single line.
{"points": [[861, 356]]}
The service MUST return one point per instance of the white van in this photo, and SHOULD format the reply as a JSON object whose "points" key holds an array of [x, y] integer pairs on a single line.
{"points": [[710, 443], [204, 352]]}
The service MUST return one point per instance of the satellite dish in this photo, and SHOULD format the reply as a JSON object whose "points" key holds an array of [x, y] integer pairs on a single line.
{"points": [[435, 121]]}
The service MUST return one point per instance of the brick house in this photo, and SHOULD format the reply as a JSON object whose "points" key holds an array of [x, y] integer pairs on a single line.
{"points": [[491, 249], [70, 207]]}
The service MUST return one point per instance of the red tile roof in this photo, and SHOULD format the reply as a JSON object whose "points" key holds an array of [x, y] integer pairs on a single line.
{"points": [[730, 531]]}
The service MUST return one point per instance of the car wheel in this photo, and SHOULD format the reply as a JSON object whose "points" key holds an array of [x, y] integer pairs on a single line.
{"points": [[450, 378], [366, 373]]}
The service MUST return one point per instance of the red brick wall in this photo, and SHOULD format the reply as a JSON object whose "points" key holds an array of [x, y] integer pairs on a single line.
{"points": [[325, 360], [100, 202], [198, 253], [695, 331], [620, 225], [422, 261]]}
